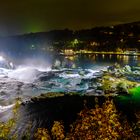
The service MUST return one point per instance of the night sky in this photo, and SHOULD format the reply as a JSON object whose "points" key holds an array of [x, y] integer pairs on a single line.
{"points": [[25, 16]]}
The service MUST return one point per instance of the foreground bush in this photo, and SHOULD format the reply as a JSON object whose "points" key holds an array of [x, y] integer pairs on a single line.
{"points": [[6, 128], [101, 123], [42, 134]]}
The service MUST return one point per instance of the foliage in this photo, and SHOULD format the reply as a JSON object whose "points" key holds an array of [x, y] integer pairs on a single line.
{"points": [[58, 131], [136, 126], [15, 109], [42, 134], [5, 128], [100, 123]]}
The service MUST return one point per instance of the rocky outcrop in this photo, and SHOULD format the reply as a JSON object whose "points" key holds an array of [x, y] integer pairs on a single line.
{"points": [[119, 80]]}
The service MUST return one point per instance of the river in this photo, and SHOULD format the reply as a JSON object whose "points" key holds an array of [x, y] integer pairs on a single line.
{"points": [[56, 73]]}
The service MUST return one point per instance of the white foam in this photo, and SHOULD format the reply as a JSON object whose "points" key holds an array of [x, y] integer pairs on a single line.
{"points": [[24, 74], [5, 108], [63, 75]]}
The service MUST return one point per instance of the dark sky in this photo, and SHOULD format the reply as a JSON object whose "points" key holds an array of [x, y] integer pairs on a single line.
{"points": [[24, 16]]}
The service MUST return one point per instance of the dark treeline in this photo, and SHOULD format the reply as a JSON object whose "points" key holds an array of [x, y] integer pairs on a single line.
{"points": [[112, 38]]}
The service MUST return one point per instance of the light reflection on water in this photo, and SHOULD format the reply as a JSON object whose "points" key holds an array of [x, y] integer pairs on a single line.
{"points": [[95, 60]]}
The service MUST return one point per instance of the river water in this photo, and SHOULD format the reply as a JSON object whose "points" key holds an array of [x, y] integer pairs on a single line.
{"points": [[56, 73], [94, 61]]}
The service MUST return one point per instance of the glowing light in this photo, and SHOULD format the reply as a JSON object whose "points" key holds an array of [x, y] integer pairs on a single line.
{"points": [[2, 58], [69, 52], [110, 56]]}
